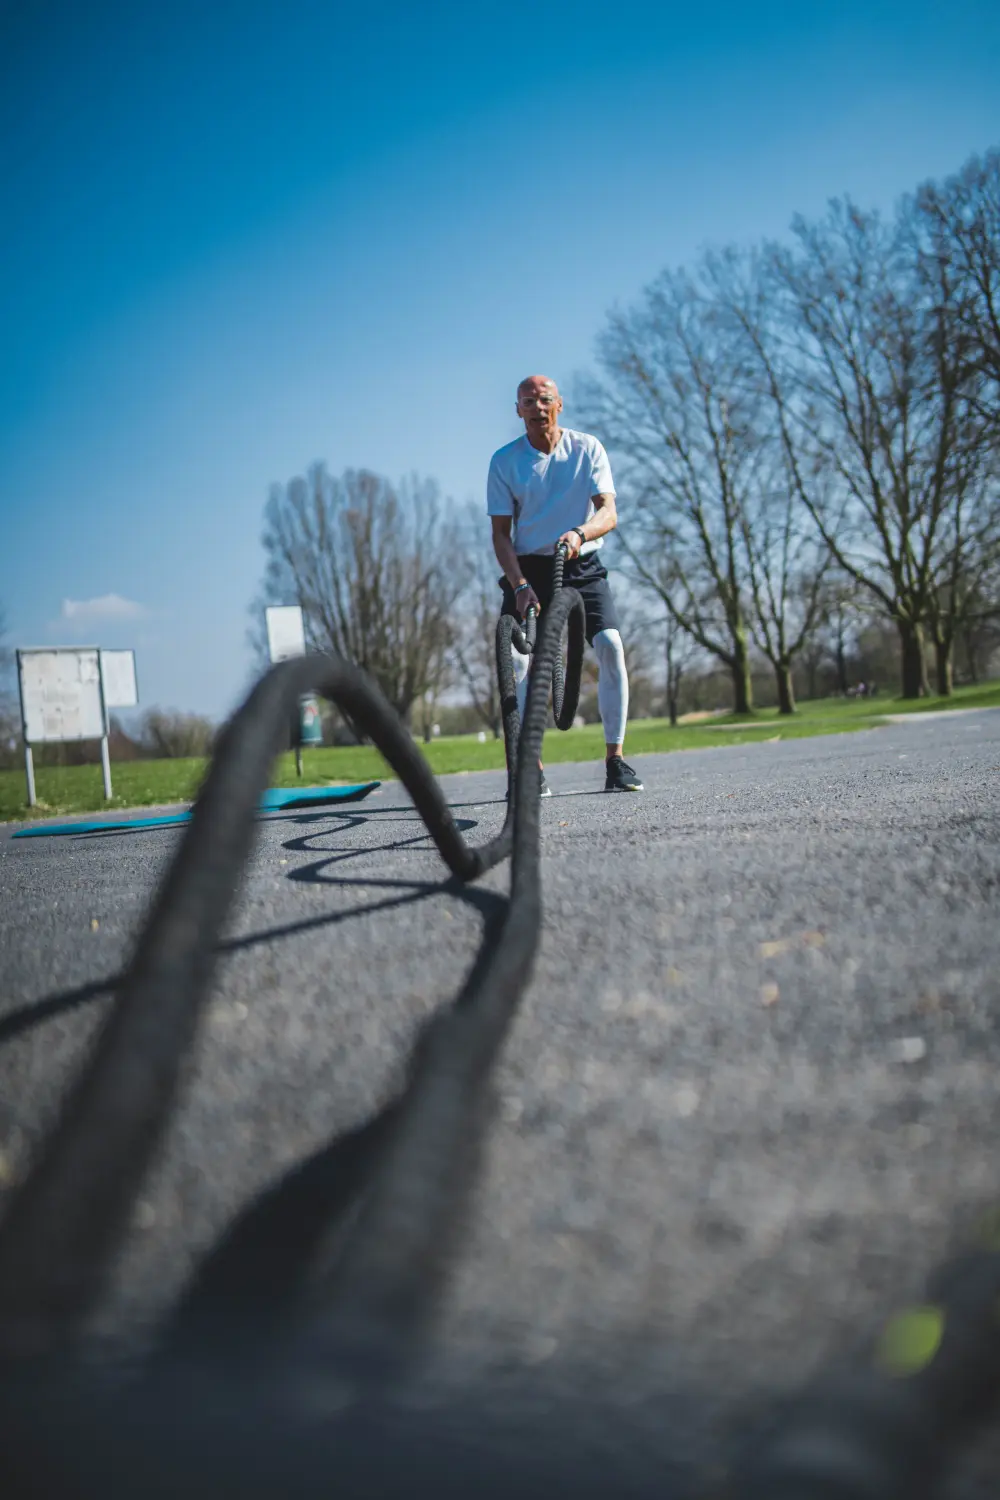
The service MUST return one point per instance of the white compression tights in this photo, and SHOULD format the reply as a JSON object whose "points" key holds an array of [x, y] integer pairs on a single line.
{"points": [[612, 684]]}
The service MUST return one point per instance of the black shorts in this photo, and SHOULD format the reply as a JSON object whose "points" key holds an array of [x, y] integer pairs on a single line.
{"points": [[587, 575]]}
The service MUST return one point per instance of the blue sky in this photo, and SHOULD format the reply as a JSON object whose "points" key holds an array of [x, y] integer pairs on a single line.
{"points": [[238, 238]]}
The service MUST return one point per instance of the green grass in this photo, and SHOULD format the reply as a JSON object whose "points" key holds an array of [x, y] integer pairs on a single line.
{"points": [[136, 783], [74, 789]]}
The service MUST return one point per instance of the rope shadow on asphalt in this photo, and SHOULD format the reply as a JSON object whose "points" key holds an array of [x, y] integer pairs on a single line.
{"points": [[491, 801], [26, 1017], [304, 844]]}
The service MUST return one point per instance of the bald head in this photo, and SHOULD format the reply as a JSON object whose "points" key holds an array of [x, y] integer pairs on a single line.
{"points": [[538, 405], [539, 384]]}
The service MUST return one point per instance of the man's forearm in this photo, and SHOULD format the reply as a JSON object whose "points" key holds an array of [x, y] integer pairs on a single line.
{"points": [[503, 547], [604, 519]]}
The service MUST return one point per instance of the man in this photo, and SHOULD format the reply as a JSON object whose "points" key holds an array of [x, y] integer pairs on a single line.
{"points": [[552, 486]]}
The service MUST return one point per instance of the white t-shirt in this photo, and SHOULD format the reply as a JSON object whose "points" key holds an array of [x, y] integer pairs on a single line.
{"points": [[548, 493]]}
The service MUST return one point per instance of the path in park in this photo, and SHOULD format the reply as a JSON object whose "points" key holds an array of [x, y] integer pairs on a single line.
{"points": [[752, 1092]]}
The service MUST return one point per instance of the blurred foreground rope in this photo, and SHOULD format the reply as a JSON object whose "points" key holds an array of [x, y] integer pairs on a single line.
{"points": [[269, 1377]]}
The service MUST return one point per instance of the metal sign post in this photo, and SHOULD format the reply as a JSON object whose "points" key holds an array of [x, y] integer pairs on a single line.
{"points": [[105, 748], [286, 638], [118, 690], [29, 774]]}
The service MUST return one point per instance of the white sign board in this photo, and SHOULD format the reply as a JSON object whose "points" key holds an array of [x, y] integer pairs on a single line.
{"points": [[118, 672], [285, 632], [61, 694]]}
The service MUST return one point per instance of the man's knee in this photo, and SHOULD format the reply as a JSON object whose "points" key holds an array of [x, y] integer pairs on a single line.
{"points": [[610, 652]]}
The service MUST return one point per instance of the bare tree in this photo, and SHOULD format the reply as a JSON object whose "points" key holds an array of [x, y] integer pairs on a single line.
{"points": [[370, 564], [875, 390], [978, 634], [689, 407], [834, 633], [441, 675], [685, 449], [474, 642], [960, 220], [787, 562], [966, 570], [680, 652], [954, 232]]}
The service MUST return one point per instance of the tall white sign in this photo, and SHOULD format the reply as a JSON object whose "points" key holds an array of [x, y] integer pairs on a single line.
{"points": [[118, 676], [61, 695], [286, 636], [66, 692]]}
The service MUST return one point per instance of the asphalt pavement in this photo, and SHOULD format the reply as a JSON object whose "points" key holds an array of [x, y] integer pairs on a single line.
{"points": [[751, 1097]]}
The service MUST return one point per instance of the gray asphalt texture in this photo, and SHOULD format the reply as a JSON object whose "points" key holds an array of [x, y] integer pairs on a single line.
{"points": [[751, 1097]]}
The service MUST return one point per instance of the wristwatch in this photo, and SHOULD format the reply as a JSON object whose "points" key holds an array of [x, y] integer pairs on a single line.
{"points": [[579, 532]]}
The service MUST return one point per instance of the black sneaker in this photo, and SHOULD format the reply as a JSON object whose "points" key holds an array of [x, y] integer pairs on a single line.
{"points": [[620, 777], [544, 790]]}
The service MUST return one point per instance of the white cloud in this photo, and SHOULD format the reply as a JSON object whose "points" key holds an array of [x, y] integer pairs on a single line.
{"points": [[106, 607]]}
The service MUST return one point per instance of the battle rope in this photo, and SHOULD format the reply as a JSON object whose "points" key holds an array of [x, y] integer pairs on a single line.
{"points": [[59, 1230], [370, 1211], [510, 638]]}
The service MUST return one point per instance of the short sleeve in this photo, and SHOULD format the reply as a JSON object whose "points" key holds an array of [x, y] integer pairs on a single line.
{"points": [[499, 499], [603, 484]]}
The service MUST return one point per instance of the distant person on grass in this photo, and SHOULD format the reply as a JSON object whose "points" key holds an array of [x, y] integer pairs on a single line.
{"points": [[552, 486]]}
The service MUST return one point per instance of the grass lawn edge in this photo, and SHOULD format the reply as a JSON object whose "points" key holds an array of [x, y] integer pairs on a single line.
{"points": [[168, 786]]}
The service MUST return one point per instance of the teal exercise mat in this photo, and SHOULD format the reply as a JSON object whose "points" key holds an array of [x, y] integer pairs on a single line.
{"points": [[275, 799], [282, 798]]}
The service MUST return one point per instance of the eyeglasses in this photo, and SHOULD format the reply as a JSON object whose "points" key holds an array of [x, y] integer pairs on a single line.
{"points": [[537, 400]]}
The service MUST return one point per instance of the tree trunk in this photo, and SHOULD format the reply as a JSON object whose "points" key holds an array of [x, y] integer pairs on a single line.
{"points": [[812, 667], [671, 679], [913, 667], [943, 663], [786, 692], [673, 699], [970, 656], [842, 683], [427, 716], [739, 668]]}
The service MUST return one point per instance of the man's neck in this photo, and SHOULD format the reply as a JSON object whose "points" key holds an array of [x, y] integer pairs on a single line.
{"points": [[546, 442]]}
